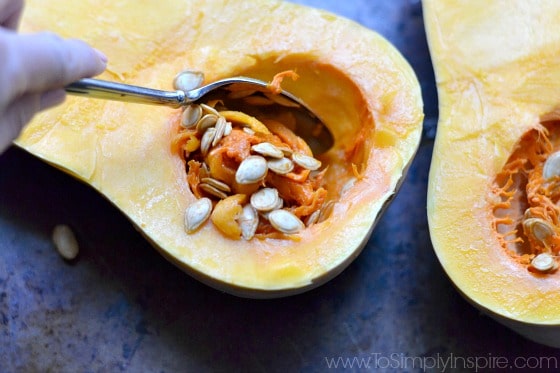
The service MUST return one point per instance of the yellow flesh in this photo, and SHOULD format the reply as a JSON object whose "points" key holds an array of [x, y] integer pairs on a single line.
{"points": [[123, 150], [496, 67]]}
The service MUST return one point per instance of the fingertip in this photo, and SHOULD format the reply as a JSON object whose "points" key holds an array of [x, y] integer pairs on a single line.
{"points": [[102, 57]]}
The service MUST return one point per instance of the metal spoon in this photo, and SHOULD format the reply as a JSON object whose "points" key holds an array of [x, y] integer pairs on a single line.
{"points": [[309, 126]]}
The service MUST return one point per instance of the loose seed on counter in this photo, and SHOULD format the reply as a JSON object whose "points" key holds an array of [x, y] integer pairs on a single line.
{"points": [[65, 241]]}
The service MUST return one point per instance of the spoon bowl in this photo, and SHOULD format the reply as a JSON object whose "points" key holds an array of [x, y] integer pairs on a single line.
{"points": [[309, 127]]}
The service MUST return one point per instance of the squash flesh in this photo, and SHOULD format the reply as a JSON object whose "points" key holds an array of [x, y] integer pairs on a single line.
{"points": [[496, 70], [350, 76]]}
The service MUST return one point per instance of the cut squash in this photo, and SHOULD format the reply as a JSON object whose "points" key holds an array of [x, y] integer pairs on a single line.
{"points": [[493, 203], [359, 84]]}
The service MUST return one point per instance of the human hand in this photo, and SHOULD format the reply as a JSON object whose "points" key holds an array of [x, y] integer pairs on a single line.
{"points": [[34, 70]]}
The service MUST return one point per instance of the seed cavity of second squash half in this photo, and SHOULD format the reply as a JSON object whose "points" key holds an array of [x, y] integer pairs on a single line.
{"points": [[525, 199], [262, 179]]}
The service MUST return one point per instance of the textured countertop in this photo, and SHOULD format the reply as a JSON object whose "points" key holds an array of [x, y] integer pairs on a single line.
{"points": [[122, 307]]}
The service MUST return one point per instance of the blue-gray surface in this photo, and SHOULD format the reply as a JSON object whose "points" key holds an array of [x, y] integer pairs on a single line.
{"points": [[122, 307]]}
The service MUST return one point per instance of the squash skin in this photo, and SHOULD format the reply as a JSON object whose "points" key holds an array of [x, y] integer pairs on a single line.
{"points": [[497, 77], [123, 150]]}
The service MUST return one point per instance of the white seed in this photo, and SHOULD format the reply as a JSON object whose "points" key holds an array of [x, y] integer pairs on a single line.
{"points": [[287, 151], [206, 141], [326, 210], [216, 184], [285, 221], [268, 150], [209, 110], [191, 115], [306, 161], [251, 170], [248, 222], [540, 229], [313, 218], [552, 166], [188, 80], [544, 262], [279, 204], [207, 121], [220, 129], [228, 129], [248, 131], [280, 166], [197, 213], [265, 199], [65, 242], [213, 191]]}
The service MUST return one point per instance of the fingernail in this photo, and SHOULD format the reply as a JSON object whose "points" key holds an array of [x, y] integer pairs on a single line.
{"points": [[52, 98], [102, 56]]}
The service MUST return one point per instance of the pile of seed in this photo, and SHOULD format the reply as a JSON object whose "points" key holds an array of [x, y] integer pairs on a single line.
{"points": [[210, 127]]}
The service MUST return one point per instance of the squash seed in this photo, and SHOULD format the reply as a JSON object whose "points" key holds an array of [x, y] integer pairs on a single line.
{"points": [[268, 150], [197, 213], [285, 221], [191, 115], [251, 170], [287, 151], [306, 161], [220, 129], [228, 129], [552, 166], [209, 109], [206, 141], [65, 242], [216, 184], [544, 262], [213, 191], [207, 121], [313, 218], [280, 166], [538, 228], [188, 80], [248, 131], [265, 199], [248, 222]]}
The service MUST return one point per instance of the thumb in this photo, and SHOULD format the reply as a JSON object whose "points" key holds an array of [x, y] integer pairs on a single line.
{"points": [[42, 62]]}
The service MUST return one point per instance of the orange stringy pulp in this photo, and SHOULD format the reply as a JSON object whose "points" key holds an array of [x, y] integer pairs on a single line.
{"points": [[302, 190], [525, 203]]}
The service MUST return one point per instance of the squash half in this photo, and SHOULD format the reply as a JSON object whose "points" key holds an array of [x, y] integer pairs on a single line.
{"points": [[496, 66], [354, 79]]}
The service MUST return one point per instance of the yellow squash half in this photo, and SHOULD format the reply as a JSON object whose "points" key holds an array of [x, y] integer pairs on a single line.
{"points": [[492, 208], [354, 79]]}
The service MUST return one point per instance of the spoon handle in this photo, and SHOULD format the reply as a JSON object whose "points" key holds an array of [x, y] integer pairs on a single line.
{"points": [[103, 89]]}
